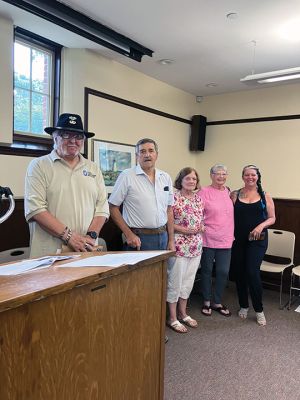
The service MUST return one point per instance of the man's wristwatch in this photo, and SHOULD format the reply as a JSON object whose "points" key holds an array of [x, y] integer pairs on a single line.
{"points": [[92, 234]]}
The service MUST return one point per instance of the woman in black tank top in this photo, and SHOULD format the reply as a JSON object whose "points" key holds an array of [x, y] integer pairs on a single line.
{"points": [[254, 212]]}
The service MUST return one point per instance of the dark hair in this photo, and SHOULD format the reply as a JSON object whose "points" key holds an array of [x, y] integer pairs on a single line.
{"points": [[144, 141], [259, 187], [182, 173]]}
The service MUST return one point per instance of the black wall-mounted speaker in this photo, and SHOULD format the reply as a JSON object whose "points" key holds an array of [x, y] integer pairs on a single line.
{"points": [[198, 129]]}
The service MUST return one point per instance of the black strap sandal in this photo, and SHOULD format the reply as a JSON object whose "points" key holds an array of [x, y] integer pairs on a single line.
{"points": [[223, 310], [206, 310]]}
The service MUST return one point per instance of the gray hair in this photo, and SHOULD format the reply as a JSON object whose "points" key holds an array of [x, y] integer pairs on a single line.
{"points": [[217, 167], [54, 136], [144, 141]]}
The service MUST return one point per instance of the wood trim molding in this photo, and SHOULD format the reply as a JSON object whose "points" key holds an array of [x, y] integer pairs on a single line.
{"points": [[251, 120], [107, 96]]}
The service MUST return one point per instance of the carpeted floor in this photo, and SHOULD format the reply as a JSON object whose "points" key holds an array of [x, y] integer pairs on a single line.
{"points": [[231, 359]]}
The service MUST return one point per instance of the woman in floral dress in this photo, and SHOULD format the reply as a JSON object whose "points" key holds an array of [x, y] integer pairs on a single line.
{"points": [[188, 226]]}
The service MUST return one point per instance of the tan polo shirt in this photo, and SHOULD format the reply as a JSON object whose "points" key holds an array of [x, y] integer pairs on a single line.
{"points": [[73, 196]]}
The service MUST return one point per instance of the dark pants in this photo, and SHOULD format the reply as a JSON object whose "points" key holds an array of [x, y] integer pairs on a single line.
{"points": [[246, 259], [158, 241], [221, 257]]}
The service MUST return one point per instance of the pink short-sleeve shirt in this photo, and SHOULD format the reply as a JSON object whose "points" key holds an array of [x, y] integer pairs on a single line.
{"points": [[218, 218]]}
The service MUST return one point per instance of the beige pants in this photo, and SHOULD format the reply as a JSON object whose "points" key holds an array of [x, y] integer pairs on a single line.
{"points": [[181, 277]]}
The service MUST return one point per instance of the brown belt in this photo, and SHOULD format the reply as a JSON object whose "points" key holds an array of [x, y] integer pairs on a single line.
{"points": [[149, 231]]}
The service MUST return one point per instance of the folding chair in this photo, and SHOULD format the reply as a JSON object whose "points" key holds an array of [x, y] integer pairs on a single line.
{"points": [[279, 255], [14, 254], [295, 273]]}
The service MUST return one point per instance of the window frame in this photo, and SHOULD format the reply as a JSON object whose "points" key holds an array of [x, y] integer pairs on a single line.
{"points": [[30, 145], [31, 91]]}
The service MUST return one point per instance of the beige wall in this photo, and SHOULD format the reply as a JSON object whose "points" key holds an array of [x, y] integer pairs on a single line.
{"points": [[263, 102], [119, 123], [273, 146]]}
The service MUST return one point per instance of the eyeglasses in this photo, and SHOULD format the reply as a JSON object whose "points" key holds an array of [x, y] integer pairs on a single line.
{"points": [[222, 174], [67, 135]]}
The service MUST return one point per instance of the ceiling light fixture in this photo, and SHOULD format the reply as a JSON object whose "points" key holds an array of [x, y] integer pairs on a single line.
{"points": [[74, 21], [271, 76]]}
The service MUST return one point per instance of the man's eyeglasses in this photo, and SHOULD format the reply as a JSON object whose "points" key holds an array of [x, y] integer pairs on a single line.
{"points": [[67, 135]]}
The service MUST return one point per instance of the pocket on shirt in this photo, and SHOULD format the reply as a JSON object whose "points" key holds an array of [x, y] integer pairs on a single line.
{"points": [[164, 197]]}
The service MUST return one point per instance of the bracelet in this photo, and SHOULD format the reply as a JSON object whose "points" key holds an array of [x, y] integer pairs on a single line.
{"points": [[64, 232], [70, 233]]}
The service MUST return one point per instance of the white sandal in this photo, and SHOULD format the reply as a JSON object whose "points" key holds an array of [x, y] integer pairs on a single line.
{"points": [[261, 319], [177, 326], [243, 313], [189, 321]]}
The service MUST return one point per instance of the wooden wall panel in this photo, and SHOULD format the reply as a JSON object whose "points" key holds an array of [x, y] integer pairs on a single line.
{"points": [[15, 232], [288, 219]]}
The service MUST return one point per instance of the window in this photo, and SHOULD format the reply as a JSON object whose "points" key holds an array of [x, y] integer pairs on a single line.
{"points": [[33, 88], [36, 93]]}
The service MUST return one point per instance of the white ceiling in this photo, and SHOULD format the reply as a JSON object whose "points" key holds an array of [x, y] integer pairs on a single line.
{"points": [[206, 46]]}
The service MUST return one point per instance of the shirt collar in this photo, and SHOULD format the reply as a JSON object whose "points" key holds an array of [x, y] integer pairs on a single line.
{"points": [[54, 156], [140, 171]]}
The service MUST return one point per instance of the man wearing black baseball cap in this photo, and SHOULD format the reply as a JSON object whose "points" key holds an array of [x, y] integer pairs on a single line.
{"points": [[65, 195]]}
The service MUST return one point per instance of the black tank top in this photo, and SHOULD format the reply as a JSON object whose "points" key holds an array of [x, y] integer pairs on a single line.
{"points": [[246, 217]]}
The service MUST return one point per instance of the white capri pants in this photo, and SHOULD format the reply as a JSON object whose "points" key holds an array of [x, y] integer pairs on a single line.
{"points": [[181, 277]]}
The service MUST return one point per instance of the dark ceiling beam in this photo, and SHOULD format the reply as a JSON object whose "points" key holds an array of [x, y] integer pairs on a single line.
{"points": [[74, 21]]}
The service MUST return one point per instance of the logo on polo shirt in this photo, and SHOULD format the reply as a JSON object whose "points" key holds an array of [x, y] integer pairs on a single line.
{"points": [[88, 173]]}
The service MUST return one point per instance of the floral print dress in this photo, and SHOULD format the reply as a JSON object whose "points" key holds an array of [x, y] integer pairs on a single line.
{"points": [[188, 212]]}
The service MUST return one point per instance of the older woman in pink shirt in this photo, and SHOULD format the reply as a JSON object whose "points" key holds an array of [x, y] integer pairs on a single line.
{"points": [[217, 240]]}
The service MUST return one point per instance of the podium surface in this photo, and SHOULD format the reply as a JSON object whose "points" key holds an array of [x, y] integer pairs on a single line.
{"points": [[84, 333]]}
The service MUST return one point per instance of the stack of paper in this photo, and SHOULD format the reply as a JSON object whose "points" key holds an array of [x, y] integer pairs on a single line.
{"points": [[113, 260], [28, 265]]}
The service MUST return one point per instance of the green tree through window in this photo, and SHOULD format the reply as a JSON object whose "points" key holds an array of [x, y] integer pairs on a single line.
{"points": [[37, 62], [32, 88]]}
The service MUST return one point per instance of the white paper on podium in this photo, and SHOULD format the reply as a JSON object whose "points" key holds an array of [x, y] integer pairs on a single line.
{"points": [[28, 265], [112, 260]]}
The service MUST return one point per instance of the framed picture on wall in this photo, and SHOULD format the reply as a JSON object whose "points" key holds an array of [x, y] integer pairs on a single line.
{"points": [[112, 159]]}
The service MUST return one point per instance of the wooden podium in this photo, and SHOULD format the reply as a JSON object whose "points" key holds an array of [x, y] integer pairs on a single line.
{"points": [[90, 333]]}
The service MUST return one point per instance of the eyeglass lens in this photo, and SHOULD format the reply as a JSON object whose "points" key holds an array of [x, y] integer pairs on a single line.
{"points": [[66, 135]]}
